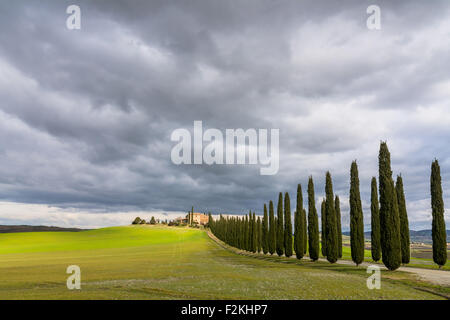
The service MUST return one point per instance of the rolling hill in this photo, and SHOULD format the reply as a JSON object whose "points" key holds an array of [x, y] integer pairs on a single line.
{"points": [[25, 228]]}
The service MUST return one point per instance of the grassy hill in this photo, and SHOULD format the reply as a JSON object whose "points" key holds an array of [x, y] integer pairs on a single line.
{"points": [[156, 262], [25, 228]]}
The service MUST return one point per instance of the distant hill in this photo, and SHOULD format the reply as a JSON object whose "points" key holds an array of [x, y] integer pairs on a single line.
{"points": [[415, 236], [24, 228]]}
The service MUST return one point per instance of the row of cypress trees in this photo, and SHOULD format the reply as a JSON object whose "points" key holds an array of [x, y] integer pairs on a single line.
{"points": [[390, 239], [245, 232], [390, 227], [276, 235]]}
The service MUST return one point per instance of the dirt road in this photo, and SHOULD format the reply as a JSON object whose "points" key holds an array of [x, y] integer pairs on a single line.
{"points": [[439, 277]]}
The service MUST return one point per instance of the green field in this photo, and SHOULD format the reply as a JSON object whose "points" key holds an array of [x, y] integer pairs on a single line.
{"points": [[157, 262]]}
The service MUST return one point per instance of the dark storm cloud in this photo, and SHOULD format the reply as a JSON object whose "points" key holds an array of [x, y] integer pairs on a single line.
{"points": [[87, 115]]}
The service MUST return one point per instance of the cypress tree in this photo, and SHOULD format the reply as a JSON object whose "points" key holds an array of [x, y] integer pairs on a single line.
{"points": [[296, 218], [250, 232], [208, 225], [236, 231], [231, 231], [305, 232], [331, 224], [239, 232], [356, 217], [375, 243], [265, 232], [254, 233], [313, 223], [298, 225], [337, 207], [404, 224], [246, 234], [280, 226], [438, 225], [242, 232], [287, 226], [250, 235], [259, 233], [272, 230], [323, 219], [389, 217]]}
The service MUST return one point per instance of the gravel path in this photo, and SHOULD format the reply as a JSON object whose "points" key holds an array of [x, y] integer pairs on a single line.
{"points": [[439, 277]]}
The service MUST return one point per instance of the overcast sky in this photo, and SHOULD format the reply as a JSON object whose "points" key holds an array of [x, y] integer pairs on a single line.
{"points": [[86, 115]]}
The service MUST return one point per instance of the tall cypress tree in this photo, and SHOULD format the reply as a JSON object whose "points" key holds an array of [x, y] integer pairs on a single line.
{"points": [[305, 232], [337, 207], [296, 218], [404, 224], [323, 220], [331, 224], [237, 235], [438, 225], [287, 226], [356, 217], [265, 232], [375, 243], [254, 233], [251, 230], [246, 234], [313, 223], [280, 226], [389, 217], [208, 225], [259, 233], [299, 225], [272, 230], [256, 236], [241, 233]]}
